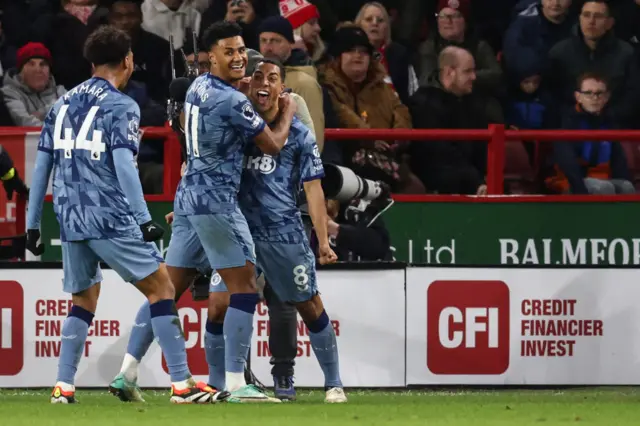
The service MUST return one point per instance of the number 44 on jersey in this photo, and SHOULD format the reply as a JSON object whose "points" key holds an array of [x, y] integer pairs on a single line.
{"points": [[63, 137]]}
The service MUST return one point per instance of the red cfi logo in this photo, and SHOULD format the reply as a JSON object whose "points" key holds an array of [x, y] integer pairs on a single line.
{"points": [[11, 328], [468, 327], [193, 316]]}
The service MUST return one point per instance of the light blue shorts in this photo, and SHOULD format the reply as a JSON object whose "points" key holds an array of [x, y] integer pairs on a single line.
{"points": [[289, 268], [225, 238], [185, 250], [132, 258]]}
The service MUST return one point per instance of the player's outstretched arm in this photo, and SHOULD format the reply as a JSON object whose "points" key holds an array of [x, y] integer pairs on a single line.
{"points": [[318, 213], [39, 183], [271, 141]]}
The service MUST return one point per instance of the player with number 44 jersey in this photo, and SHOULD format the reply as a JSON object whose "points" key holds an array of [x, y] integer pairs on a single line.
{"points": [[88, 141]]}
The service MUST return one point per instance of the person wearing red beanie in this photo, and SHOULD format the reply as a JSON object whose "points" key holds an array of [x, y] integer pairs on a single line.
{"points": [[30, 90]]}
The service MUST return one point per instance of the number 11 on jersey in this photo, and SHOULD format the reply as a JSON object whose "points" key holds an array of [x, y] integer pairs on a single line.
{"points": [[191, 115]]}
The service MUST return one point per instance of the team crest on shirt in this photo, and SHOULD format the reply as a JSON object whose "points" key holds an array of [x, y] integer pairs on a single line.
{"points": [[216, 279], [316, 151]]}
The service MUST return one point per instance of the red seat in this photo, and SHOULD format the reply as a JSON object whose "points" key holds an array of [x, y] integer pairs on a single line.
{"points": [[518, 173], [632, 152]]}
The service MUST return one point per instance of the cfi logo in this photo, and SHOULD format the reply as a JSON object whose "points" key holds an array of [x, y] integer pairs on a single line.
{"points": [[193, 318], [11, 328], [265, 164], [468, 327]]}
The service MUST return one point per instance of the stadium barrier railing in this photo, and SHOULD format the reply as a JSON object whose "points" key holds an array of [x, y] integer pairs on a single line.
{"points": [[495, 135]]}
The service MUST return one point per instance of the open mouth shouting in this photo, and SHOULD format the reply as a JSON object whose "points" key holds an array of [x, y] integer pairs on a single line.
{"points": [[262, 98]]}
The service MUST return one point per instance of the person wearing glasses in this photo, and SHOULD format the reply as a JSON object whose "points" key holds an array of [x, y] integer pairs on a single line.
{"points": [[374, 19], [455, 29], [590, 167], [595, 47]]}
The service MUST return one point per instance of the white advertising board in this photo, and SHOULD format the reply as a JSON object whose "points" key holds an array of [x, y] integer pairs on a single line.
{"points": [[366, 308], [523, 326]]}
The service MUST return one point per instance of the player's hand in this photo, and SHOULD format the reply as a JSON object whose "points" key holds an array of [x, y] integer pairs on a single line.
{"points": [[244, 85], [33, 235], [287, 104], [327, 255], [151, 231], [169, 218], [15, 184]]}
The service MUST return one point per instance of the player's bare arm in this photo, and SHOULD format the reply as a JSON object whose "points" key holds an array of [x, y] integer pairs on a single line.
{"points": [[318, 213]]}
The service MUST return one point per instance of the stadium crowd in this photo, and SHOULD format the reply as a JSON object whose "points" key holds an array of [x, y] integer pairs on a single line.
{"points": [[401, 64]]}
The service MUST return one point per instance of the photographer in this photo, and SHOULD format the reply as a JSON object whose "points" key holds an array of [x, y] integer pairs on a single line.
{"points": [[358, 235], [355, 207]]}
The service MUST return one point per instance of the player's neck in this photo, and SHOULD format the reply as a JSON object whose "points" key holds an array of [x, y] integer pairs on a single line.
{"points": [[108, 75], [271, 115]]}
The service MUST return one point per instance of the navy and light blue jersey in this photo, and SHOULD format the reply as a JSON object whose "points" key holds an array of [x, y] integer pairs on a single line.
{"points": [[81, 131], [271, 184], [219, 122]]}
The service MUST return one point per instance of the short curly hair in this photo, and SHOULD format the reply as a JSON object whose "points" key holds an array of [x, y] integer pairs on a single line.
{"points": [[107, 46]]}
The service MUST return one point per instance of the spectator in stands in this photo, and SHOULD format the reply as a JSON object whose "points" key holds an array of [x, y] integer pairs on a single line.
{"points": [[246, 13], [150, 52], [305, 20], [28, 20], [70, 29], [363, 100], [594, 47], [374, 20], [7, 52], [452, 29], [531, 36], [166, 18], [590, 167], [276, 41], [449, 102], [627, 28], [201, 62], [30, 90]]}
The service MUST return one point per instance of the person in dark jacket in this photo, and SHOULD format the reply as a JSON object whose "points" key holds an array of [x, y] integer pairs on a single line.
{"points": [[593, 47], [357, 235], [448, 102], [454, 29], [150, 52], [590, 167], [9, 176], [396, 59], [70, 29], [532, 34]]}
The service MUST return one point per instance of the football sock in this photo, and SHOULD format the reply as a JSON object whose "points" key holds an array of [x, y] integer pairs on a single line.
{"points": [[238, 328], [139, 342], [167, 328], [74, 335], [214, 348], [323, 342]]}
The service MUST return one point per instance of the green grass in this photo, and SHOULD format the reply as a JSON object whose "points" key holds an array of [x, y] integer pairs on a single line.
{"points": [[593, 406]]}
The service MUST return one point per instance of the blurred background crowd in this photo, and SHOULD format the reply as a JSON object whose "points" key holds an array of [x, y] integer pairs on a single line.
{"points": [[394, 64]]}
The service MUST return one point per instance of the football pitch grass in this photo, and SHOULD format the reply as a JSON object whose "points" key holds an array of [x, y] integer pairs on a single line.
{"points": [[588, 406]]}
